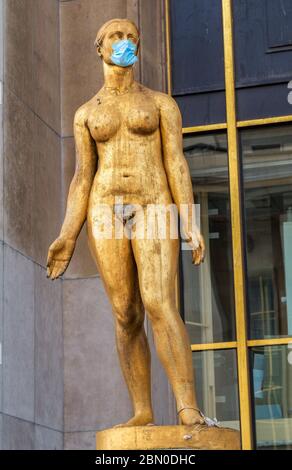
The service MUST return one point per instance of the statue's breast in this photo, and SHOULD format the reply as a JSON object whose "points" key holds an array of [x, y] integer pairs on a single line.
{"points": [[141, 115], [104, 122], [137, 113]]}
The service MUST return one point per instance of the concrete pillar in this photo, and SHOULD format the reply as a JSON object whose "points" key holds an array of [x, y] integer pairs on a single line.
{"points": [[60, 377]]}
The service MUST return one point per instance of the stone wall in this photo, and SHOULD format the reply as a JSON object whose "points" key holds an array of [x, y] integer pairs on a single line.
{"points": [[60, 377]]}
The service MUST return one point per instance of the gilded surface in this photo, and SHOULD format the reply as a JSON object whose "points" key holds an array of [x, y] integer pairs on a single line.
{"points": [[129, 146], [168, 437]]}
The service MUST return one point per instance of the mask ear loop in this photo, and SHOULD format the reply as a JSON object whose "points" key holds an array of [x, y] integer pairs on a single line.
{"points": [[97, 44], [138, 46], [137, 50]]}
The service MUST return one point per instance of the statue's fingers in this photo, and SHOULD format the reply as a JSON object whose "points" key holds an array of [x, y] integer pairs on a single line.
{"points": [[54, 273], [50, 257], [53, 250], [197, 256], [193, 257], [203, 249], [50, 268], [60, 268], [56, 270], [200, 256]]}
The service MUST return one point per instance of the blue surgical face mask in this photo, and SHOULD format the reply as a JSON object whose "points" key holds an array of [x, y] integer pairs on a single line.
{"points": [[124, 53]]}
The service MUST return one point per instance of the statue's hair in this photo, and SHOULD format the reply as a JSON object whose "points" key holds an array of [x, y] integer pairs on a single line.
{"points": [[101, 32]]}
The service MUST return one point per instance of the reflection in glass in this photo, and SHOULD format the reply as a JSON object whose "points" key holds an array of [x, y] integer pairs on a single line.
{"points": [[216, 385], [272, 391], [207, 291], [267, 169]]}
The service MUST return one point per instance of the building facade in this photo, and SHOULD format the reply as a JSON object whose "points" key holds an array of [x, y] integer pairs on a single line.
{"points": [[60, 375], [227, 64], [229, 70]]}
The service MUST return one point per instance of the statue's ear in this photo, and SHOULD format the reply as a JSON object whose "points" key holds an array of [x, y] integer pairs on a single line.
{"points": [[98, 48]]}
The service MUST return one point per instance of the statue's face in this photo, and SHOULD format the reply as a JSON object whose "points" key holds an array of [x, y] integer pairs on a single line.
{"points": [[117, 32]]}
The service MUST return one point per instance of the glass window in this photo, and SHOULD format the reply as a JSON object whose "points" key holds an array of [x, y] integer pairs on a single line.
{"points": [[216, 385], [267, 172], [272, 392], [196, 31], [207, 295]]}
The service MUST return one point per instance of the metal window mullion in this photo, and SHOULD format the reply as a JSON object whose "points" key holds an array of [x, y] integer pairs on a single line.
{"points": [[237, 230], [168, 49]]}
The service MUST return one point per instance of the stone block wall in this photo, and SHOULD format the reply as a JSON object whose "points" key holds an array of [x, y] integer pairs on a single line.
{"points": [[60, 379]]}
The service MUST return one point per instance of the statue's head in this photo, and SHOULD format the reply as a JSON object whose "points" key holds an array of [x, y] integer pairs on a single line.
{"points": [[117, 42]]}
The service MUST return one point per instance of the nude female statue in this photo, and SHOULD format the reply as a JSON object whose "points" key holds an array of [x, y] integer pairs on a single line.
{"points": [[136, 135]]}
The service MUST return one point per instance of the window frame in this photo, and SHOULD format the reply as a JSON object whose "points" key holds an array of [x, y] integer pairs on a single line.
{"points": [[242, 345]]}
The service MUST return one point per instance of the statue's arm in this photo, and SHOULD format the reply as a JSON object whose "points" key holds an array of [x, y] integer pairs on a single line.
{"points": [[86, 157], [177, 171], [62, 249], [175, 163]]}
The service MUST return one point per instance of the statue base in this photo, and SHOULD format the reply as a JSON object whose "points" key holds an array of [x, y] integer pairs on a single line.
{"points": [[200, 437]]}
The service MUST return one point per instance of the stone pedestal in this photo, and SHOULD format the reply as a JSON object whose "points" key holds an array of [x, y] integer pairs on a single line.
{"points": [[168, 437]]}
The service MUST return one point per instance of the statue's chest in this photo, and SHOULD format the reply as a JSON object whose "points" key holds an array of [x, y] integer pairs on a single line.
{"points": [[138, 115]]}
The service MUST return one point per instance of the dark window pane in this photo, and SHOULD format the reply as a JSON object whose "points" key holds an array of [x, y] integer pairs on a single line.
{"points": [[264, 101], [263, 54], [201, 109], [216, 385], [279, 23], [197, 61], [207, 291], [272, 391], [262, 40], [196, 46], [267, 171]]}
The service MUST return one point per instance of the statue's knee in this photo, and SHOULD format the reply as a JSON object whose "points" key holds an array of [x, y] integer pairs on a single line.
{"points": [[153, 307], [128, 315], [159, 311]]}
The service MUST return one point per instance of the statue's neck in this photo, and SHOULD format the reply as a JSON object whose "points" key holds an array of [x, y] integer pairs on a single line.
{"points": [[118, 77]]}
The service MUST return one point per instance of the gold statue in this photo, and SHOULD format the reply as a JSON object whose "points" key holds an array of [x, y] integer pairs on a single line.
{"points": [[135, 135]]}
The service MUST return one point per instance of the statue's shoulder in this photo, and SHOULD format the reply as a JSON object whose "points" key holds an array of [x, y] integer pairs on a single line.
{"points": [[82, 113], [162, 100]]}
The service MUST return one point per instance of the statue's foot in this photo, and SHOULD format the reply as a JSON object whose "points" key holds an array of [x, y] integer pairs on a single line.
{"points": [[190, 417], [140, 419]]}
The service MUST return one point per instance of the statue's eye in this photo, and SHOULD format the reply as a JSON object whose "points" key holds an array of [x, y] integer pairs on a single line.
{"points": [[117, 35]]}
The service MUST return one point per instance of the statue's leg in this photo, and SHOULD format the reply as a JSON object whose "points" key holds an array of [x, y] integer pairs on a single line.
{"points": [[157, 264], [116, 265]]}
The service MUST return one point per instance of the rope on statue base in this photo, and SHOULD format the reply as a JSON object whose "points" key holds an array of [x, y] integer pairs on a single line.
{"points": [[208, 421]]}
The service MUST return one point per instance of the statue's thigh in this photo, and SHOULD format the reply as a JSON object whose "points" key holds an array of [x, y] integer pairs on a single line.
{"points": [[157, 262], [116, 266]]}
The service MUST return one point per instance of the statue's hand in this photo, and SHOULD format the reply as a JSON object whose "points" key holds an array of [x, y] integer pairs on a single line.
{"points": [[60, 253], [196, 241]]}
